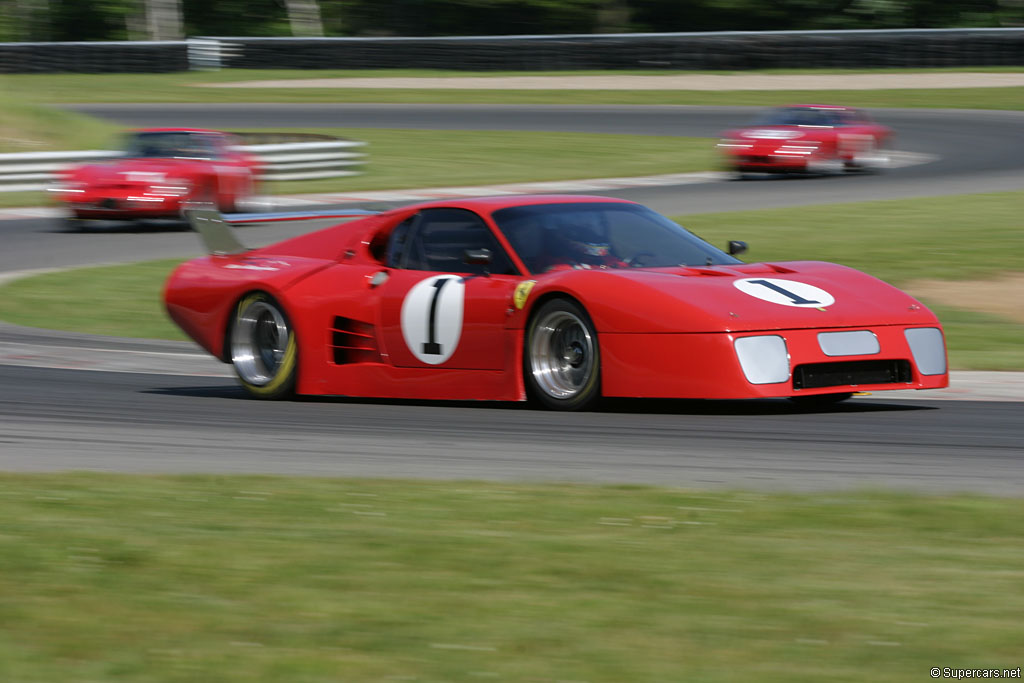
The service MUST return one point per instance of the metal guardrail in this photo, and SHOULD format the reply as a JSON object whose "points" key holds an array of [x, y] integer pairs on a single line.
{"points": [[122, 56], [907, 48], [282, 161]]}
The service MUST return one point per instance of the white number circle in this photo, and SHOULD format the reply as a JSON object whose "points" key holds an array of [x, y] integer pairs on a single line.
{"points": [[432, 317], [785, 292]]}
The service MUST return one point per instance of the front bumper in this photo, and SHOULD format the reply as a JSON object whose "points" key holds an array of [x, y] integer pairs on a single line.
{"points": [[710, 366], [121, 204]]}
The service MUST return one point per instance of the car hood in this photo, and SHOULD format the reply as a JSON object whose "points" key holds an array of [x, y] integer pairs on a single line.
{"points": [[138, 171], [741, 298], [777, 134]]}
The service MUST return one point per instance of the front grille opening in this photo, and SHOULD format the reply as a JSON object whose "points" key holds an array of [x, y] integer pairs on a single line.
{"points": [[851, 373], [353, 341]]}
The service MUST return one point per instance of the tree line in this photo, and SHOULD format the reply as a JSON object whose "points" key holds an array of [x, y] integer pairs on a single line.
{"points": [[65, 20]]}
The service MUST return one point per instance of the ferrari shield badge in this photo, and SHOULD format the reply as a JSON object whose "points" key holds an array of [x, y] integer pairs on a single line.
{"points": [[522, 293]]}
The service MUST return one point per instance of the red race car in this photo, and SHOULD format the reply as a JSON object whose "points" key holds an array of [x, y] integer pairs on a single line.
{"points": [[561, 299], [161, 170], [808, 138]]}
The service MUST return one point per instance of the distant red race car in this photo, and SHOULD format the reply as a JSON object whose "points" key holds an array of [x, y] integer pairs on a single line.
{"points": [[807, 138], [162, 169], [562, 299]]}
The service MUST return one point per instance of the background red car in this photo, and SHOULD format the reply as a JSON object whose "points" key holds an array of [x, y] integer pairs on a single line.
{"points": [[807, 138], [559, 298], [162, 169]]}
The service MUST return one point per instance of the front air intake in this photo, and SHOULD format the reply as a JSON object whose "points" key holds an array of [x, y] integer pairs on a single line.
{"points": [[851, 373]]}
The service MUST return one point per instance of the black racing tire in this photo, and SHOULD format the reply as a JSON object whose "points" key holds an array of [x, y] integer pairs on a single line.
{"points": [[263, 347], [562, 357], [820, 400], [73, 224], [872, 160]]}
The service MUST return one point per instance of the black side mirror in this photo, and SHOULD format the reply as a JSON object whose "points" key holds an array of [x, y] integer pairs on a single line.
{"points": [[477, 257], [737, 247]]}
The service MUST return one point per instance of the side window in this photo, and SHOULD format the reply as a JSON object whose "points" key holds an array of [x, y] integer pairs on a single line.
{"points": [[393, 257], [211, 146], [441, 238]]}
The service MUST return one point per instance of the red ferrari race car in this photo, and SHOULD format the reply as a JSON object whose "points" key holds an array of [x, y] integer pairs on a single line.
{"points": [[809, 138], [562, 299], [161, 170]]}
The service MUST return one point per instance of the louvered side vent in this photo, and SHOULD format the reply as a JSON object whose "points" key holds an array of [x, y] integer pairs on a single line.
{"points": [[353, 341]]}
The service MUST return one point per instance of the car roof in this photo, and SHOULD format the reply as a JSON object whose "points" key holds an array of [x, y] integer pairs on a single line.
{"points": [[494, 203], [836, 107], [177, 130]]}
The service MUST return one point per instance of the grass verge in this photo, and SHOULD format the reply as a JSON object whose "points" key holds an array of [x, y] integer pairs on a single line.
{"points": [[434, 158], [109, 577], [34, 128], [123, 301], [964, 238], [180, 87]]}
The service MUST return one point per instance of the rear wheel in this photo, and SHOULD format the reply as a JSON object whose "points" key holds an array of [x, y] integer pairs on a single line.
{"points": [[263, 348], [562, 358]]}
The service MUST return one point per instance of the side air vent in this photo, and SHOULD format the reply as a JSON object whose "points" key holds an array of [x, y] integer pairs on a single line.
{"points": [[353, 341], [851, 373]]}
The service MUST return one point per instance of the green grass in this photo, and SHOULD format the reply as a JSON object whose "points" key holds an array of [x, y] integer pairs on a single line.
{"points": [[207, 578], [425, 158], [966, 237], [179, 87], [956, 237], [431, 158], [33, 128], [124, 301]]}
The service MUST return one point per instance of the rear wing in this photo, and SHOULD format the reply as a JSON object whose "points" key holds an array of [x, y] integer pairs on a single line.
{"points": [[220, 240]]}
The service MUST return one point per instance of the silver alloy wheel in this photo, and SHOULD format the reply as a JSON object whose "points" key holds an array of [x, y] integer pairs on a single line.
{"points": [[561, 354], [258, 342]]}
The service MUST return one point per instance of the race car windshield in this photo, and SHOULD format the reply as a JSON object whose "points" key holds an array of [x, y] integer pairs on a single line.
{"points": [[171, 145], [620, 235], [803, 116]]}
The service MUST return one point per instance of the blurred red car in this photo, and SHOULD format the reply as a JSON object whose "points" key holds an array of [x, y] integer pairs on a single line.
{"points": [[807, 138], [162, 169]]}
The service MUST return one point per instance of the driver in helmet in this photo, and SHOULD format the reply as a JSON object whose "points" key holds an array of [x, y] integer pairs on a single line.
{"points": [[576, 246]]}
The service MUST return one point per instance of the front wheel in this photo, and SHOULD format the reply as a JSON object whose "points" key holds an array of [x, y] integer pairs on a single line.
{"points": [[263, 348], [72, 224], [562, 358]]}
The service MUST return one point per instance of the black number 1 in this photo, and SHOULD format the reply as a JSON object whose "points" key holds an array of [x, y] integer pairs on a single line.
{"points": [[431, 347], [795, 298]]}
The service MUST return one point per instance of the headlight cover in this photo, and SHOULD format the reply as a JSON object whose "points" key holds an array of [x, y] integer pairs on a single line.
{"points": [[764, 359], [928, 348]]}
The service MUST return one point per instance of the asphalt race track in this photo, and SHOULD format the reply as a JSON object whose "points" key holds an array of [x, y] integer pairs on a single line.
{"points": [[55, 419]]}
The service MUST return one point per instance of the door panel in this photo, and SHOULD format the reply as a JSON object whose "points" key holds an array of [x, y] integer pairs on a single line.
{"points": [[446, 320]]}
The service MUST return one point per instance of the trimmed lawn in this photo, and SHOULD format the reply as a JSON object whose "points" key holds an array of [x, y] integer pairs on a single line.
{"points": [[231, 578], [180, 87]]}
